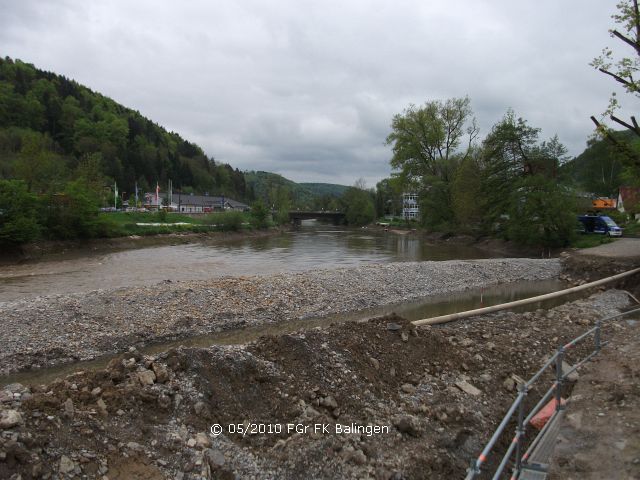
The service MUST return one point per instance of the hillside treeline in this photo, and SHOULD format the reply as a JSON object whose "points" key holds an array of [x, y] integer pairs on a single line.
{"points": [[52, 130]]}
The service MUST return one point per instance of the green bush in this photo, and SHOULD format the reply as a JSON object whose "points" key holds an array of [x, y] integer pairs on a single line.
{"points": [[225, 221], [18, 213], [259, 215]]}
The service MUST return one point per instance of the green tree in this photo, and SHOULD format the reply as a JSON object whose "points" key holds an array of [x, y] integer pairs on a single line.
{"points": [[18, 214], [511, 151], [357, 204], [466, 190], [73, 213], [542, 213], [425, 139], [388, 197], [428, 144], [259, 214]]}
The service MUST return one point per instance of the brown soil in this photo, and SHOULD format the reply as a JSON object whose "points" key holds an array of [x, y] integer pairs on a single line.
{"points": [[372, 373]]}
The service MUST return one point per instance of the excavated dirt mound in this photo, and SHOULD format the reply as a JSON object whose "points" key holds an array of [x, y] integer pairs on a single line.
{"points": [[435, 394]]}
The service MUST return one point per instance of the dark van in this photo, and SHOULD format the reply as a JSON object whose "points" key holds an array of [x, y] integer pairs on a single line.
{"points": [[599, 224]]}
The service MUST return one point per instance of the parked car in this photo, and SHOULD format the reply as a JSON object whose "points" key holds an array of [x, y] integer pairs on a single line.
{"points": [[599, 224]]}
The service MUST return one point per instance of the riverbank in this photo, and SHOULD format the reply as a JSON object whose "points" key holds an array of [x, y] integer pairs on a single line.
{"points": [[49, 330], [436, 395], [55, 249]]}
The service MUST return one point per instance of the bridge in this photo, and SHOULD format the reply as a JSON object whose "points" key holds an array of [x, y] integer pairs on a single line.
{"points": [[297, 216]]}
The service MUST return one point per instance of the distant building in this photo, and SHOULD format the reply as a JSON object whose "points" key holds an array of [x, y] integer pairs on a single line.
{"points": [[187, 203], [602, 203], [410, 208]]}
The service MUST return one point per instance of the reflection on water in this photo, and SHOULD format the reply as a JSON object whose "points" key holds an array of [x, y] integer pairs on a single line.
{"points": [[313, 246]]}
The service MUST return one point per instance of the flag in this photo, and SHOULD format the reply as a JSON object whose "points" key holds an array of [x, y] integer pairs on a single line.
{"points": [[157, 194]]}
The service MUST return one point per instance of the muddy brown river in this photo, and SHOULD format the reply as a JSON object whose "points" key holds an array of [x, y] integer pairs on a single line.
{"points": [[313, 246]]}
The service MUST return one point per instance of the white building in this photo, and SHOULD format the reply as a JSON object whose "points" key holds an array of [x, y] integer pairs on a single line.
{"points": [[410, 208]]}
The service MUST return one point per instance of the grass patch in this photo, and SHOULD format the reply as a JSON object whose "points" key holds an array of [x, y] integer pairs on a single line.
{"points": [[124, 224], [590, 240], [631, 228]]}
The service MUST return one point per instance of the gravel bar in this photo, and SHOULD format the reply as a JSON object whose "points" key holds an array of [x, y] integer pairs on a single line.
{"points": [[55, 329]]}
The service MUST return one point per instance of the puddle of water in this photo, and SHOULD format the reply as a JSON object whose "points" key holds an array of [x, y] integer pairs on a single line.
{"points": [[415, 310]]}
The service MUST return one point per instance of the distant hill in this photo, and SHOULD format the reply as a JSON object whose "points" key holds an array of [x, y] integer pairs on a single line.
{"points": [[269, 186], [51, 126], [322, 189], [599, 168]]}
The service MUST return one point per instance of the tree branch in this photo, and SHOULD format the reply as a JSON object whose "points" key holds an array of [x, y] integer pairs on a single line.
{"points": [[618, 78], [625, 124], [627, 40]]}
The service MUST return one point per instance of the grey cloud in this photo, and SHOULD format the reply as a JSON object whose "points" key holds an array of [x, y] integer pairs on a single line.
{"points": [[308, 89]]}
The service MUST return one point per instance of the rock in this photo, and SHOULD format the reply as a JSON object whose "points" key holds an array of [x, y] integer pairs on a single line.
{"points": [[10, 418], [96, 392], [134, 446], [393, 327], [407, 424], [66, 465], [199, 408], [467, 388], [404, 336], [202, 441], [191, 442], [509, 385], [215, 458], [69, 410], [466, 342], [15, 388], [408, 388], [102, 406], [358, 457], [164, 401], [329, 402], [374, 363], [162, 373], [146, 377], [573, 376]]}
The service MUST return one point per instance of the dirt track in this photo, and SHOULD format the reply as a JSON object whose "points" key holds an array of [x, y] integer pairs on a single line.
{"points": [[601, 435]]}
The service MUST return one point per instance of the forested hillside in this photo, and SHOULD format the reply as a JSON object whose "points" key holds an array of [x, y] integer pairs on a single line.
{"points": [[274, 189], [600, 168], [53, 130]]}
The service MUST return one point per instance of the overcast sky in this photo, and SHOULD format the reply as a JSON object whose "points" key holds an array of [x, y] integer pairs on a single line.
{"points": [[307, 89]]}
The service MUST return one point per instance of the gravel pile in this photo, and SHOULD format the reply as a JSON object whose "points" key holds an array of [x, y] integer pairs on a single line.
{"points": [[62, 328], [439, 392]]}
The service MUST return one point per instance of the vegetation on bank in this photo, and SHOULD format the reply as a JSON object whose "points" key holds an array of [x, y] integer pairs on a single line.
{"points": [[74, 213]]}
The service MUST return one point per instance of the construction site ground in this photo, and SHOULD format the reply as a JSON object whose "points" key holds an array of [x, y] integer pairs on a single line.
{"points": [[378, 399]]}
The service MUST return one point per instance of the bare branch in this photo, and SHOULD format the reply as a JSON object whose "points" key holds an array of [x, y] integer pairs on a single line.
{"points": [[625, 124], [627, 40], [618, 78]]}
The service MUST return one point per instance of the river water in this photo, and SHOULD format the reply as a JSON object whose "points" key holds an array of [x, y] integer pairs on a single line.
{"points": [[313, 246]]}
